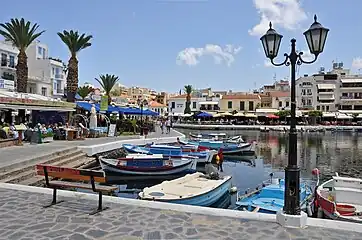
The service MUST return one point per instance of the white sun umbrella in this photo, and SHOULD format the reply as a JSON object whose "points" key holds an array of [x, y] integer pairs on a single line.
{"points": [[226, 114], [239, 114], [217, 115], [344, 116], [359, 116], [250, 115]]}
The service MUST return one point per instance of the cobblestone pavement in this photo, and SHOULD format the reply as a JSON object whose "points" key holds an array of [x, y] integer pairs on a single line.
{"points": [[23, 217]]}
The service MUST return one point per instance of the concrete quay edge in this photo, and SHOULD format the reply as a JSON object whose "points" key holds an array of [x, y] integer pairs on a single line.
{"points": [[91, 150], [312, 222], [257, 127]]}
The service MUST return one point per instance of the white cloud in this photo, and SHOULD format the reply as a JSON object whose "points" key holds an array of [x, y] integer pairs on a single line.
{"points": [[191, 56], [307, 56], [267, 63], [357, 63], [287, 14]]}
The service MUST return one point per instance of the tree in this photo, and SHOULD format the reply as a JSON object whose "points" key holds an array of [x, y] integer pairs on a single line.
{"points": [[21, 34], [84, 91], [283, 114], [188, 90], [107, 82], [75, 42]]}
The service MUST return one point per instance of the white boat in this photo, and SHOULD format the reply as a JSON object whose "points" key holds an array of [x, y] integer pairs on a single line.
{"points": [[148, 165], [192, 189], [340, 198]]}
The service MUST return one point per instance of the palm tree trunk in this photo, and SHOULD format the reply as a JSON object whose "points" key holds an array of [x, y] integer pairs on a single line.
{"points": [[72, 79], [22, 72]]}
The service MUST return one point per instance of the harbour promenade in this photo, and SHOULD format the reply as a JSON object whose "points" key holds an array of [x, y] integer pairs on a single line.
{"points": [[17, 155], [23, 218], [260, 127]]}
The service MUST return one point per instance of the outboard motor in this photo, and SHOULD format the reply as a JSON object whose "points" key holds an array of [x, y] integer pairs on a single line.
{"points": [[211, 171]]}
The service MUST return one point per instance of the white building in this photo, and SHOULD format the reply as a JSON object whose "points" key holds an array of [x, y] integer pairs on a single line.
{"points": [[46, 75], [318, 92], [8, 61]]}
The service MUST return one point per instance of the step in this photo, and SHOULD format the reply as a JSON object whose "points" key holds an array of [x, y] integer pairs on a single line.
{"points": [[39, 180], [28, 167], [31, 172], [34, 160]]}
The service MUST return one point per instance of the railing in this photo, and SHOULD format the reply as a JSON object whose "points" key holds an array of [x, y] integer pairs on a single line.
{"points": [[351, 98], [7, 76], [60, 76]]}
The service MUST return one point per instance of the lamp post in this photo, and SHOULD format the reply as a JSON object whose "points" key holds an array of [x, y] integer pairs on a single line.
{"points": [[316, 37], [141, 130]]}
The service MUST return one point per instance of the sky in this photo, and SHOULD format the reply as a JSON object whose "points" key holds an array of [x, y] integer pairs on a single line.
{"points": [[166, 44]]}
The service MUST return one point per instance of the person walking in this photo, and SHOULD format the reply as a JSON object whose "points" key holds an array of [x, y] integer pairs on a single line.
{"points": [[168, 125], [162, 126]]}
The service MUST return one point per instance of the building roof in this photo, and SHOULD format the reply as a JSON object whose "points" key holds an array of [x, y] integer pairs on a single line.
{"points": [[179, 96], [280, 94], [241, 96], [155, 104]]}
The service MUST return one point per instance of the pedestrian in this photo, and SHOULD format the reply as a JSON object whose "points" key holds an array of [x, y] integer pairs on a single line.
{"points": [[220, 160], [168, 125], [162, 126]]}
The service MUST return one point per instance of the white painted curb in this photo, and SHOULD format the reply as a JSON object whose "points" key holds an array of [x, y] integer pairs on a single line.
{"points": [[312, 222]]}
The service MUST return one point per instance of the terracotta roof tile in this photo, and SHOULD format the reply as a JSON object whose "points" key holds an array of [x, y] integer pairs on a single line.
{"points": [[155, 104], [241, 96], [280, 94]]}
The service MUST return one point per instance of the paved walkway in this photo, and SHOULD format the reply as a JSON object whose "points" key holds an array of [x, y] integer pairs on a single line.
{"points": [[18, 154], [23, 218]]}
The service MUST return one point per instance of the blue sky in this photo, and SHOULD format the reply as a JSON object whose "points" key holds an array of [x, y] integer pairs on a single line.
{"points": [[166, 44]]}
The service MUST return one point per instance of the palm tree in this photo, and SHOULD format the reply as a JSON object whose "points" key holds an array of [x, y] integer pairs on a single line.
{"points": [[21, 34], [107, 82], [84, 91], [75, 43], [188, 90]]}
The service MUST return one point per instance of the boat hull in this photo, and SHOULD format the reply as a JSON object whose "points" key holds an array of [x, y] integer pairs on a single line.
{"points": [[110, 165], [206, 199]]}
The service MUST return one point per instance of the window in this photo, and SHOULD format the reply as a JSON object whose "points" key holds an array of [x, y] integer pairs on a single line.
{"points": [[251, 106], [287, 104], [230, 104], [4, 59], [280, 104], [57, 70], [53, 71], [242, 105], [11, 61], [172, 105], [193, 104], [327, 108], [40, 50], [44, 55], [59, 86], [318, 108], [43, 91]]}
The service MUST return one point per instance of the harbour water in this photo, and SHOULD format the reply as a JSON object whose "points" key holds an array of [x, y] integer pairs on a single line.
{"points": [[329, 152]]}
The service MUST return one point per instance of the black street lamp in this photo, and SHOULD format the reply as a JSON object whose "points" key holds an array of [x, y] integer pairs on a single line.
{"points": [[316, 37], [141, 130]]}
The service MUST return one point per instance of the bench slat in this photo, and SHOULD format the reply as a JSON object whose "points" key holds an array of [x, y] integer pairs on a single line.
{"points": [[72, 177], [82, 186]]}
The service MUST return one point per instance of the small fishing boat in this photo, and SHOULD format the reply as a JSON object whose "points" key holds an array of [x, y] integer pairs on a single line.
{"points": [[270, 197], [193, 189], [173, 151], [340, 198], [228, 148], [145, 164], [217, 137]]}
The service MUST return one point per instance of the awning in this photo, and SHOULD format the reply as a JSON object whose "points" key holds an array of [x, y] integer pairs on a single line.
{"points": [[326, 86], [328, 114], [266, 110], [359, 116], [239, 114], [250, 115], [37, 108], [344, 116], [204, 114], [225, 114], [209, 103], [351, 80]]}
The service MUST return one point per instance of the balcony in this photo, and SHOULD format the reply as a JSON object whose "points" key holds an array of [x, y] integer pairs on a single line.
{"points": [[59, 76], [351, 98], [8, 76]]}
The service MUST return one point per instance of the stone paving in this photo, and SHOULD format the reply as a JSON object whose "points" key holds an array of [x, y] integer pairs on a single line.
{"points": [[22, 217]]}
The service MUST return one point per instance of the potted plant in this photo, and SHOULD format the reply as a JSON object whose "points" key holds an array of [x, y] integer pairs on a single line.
{"points": [[47, 137]]}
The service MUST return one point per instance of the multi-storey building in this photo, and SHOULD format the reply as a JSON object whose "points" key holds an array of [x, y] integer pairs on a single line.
{"points": [[242, 102], [8, 61], [46, 74]]}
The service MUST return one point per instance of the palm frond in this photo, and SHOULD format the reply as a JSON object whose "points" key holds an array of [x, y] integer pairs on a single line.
{"points": [[74, 41]]}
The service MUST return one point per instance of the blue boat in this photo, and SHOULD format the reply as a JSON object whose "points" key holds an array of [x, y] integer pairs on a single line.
{"points": [[270, 198], [171, 151], [228, 148], [193, 189]]}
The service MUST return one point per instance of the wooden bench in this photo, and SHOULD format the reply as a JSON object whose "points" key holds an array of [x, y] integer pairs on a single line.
{"points": [[90, 176]]}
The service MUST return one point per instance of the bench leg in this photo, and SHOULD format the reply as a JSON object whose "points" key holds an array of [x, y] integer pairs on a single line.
{"points": [[100, 207], [54, 199]]}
